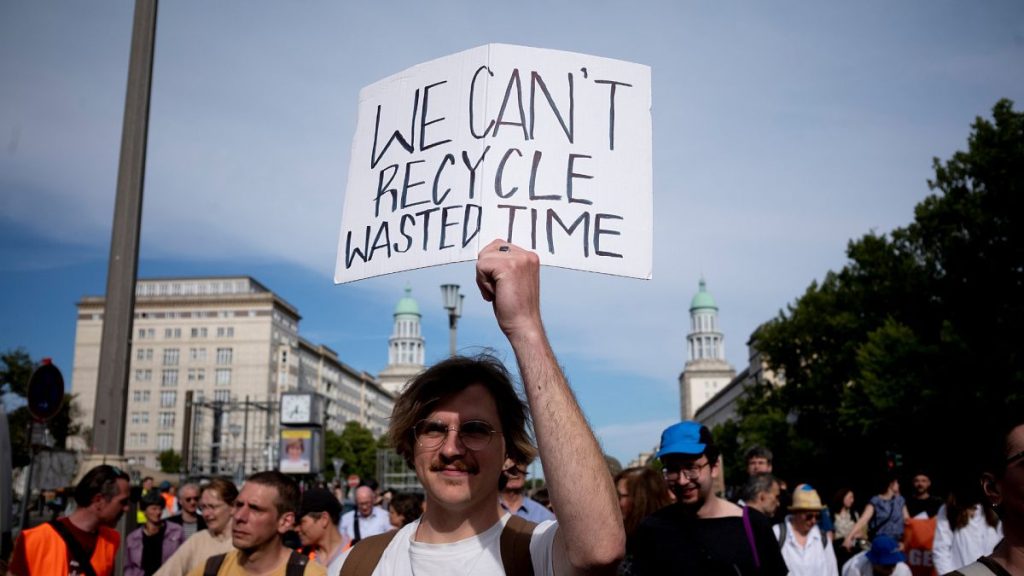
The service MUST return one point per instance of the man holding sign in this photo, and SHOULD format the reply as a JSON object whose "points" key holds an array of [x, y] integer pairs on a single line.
{"points": [[457, 423]]}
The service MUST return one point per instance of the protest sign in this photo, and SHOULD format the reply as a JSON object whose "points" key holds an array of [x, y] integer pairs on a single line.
{"points": [[549, 150]]}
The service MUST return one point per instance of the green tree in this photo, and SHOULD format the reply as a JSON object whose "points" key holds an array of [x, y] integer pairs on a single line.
{"points": [[170, 461], [357, 446], [912, 345]]}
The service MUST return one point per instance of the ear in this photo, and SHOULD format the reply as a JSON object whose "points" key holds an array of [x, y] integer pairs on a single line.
{"points": [[991, 489], [286, 522]]}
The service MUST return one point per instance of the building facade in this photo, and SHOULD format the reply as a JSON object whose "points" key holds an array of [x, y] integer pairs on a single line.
{"points": [[722, 407], [406, 346], [706, 370], [232, 346]]}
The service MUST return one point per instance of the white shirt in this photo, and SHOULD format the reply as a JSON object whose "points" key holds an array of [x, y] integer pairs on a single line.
{"points": [[859, 565], [476, 555], [378, 522], [952, 550], [815, 558]]}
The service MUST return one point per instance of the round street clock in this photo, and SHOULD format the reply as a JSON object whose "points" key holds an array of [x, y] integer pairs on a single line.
{"points": [[297, 409]]}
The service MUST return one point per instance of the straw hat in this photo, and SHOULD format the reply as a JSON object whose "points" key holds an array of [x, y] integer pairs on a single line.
{"points": [[805, 498]]}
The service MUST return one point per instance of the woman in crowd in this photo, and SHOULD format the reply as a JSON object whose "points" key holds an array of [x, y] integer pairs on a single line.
{"points": [[1003, 484], [217, 502], [805, 547], [846, 517], [150, 545], [884, 514], [964, 529], [642, 492]]}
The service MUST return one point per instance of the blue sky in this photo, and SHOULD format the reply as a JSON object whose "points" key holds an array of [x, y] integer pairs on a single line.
{"points": [[781, 131]]}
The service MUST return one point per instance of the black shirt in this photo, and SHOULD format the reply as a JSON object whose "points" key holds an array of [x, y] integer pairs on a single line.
{"points": [[152, 551], [930, 505], [673, 541]]}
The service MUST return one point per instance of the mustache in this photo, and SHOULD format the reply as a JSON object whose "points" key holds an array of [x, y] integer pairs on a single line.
{"points": [[457, 464]]}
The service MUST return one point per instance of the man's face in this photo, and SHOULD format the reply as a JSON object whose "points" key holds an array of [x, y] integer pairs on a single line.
{"points": [[758, 465], [690, 478], [921, 484], [768, 502], [256, 521], [353, 481], [189, 499], [455, 477], [110, 511], [804, 520], [312, 528], [364, 501], [877, 570], [516, 475]]}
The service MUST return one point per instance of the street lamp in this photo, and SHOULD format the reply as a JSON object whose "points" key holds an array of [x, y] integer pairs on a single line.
{"points": [[453, 304]]}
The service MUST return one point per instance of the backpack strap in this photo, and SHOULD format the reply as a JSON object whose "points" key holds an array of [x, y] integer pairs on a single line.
{"points": [[362, 559], [213, 564], [515, 546], [750, 537], [782, 534], [74, 548], [296, 564]]}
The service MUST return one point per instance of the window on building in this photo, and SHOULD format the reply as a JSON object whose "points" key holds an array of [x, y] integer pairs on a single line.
{"points": [[199, 332], [226, 332], [224, 355], [223, 376], [171, 357], [143, 375], [222, 395], [168, 398], [196, 375], [169, 377], [197, 354], [172, 332], [143, 439], [164, 441], [166, 420]]}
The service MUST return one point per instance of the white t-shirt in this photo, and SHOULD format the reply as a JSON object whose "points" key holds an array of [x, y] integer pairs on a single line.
{"points": [[476, 555], [815, 558]]}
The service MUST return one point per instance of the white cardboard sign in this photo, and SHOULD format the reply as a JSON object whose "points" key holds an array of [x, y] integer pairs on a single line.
{"points": [[548, 150]]}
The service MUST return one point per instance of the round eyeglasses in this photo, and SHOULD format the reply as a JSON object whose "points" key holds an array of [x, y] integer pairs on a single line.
{"points": [[474, 434]]}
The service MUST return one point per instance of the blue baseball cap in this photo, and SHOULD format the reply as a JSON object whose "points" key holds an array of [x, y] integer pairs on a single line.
{"points": [[885, 551], [687, 437]]}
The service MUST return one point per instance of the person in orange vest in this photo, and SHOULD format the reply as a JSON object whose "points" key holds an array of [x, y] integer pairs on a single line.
{"points": [[83, 543]]}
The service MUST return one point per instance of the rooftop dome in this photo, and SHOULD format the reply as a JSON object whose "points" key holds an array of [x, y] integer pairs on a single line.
{"points": [[407, 305], [703, 299]]}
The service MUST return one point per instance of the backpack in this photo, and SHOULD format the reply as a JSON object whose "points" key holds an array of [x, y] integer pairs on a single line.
{"points": [[296, 564], [515, 550]]}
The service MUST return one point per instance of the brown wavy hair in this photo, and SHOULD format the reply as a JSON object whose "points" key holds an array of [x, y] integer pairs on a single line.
{"points": [[224, 488], [446, 379], [648, 491]]}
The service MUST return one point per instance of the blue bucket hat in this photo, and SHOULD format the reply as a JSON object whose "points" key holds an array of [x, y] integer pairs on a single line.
{"points": [[687, 437], [885, 551]]}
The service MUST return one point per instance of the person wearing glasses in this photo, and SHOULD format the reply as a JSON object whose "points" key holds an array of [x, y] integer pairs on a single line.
{"points": [[458, 422], [805, 547], [1003, 485], [702, 533], [513, 496], [217, 502], [366, 520], [190, 520]]}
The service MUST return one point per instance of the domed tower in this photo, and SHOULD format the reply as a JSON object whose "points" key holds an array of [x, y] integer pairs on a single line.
{"points": [[706, 371], [405, 346]]}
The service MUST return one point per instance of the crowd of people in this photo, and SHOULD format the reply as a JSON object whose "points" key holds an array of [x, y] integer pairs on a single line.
{"points": [[464, 429]]}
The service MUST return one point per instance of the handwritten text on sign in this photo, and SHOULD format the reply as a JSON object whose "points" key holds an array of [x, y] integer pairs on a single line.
{"points": [[549, 150]]}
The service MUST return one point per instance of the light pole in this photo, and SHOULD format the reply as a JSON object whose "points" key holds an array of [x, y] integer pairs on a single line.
{"points": [[453, 304]]}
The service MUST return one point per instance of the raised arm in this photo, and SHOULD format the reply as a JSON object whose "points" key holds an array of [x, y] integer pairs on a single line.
{"points": [[590, 535]]}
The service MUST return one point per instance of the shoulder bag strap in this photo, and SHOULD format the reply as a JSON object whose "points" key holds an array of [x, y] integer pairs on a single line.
{"points": [[750, 537], [213, 564], [74, 548], [362, 559], [355, 528], [515, 546], [296, 564]]}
